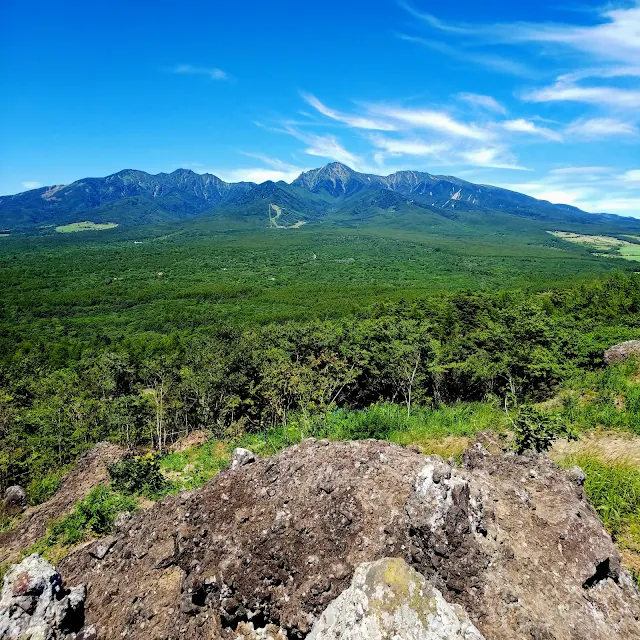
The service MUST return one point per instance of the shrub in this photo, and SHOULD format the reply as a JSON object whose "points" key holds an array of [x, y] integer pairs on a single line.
{"points": [[93, 515], [536, 430], [138, 475], [39, 490]]}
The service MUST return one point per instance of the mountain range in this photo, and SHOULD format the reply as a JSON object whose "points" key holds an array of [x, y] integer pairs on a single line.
{"points": [[334, 193]]}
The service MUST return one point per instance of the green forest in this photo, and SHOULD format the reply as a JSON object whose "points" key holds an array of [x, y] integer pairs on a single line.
{"points": [[140, 337], [144, 336]]}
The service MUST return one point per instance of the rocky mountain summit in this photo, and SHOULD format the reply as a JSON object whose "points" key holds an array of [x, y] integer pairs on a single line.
{"points": [[363, 540]]}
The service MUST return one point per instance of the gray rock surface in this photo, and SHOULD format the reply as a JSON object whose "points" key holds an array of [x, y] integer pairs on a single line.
{"points": [[388, 600], [15, 500], [622, 352], [512, 540], [241, 457], [35, 606]]}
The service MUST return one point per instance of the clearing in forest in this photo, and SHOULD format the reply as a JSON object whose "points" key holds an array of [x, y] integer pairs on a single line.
{"points": [[613, 246], [85, 226]]}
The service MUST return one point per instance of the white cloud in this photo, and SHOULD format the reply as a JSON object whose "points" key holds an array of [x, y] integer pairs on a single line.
{"points": [[632, 176], [486, 102], [212, 72], [31, 184], [408, 147], [491, 157], [580, 171], [434, 120], [567, 92], [356, 122], [527, 126], [602, 128]]}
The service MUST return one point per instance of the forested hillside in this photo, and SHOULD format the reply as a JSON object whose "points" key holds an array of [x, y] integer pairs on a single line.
{"points": [[61, 396]]}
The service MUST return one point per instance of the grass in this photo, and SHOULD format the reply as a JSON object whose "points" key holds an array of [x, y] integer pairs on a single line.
{"points": [[605, 399], [92, 517], [444, 430], [75, 227], [613, 246], [613, 489]]}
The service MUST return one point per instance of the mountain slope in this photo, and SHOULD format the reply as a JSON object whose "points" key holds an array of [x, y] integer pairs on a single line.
{"points": [[334, 193]]}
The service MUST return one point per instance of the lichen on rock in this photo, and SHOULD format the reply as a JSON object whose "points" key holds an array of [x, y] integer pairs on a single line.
{"points": [[387, 599]]}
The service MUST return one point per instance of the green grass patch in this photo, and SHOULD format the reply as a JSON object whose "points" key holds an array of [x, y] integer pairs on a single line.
{"points": [[607, 398], [92, 516], [614, 491], [193, 468], [41, 489], [74, 227]]}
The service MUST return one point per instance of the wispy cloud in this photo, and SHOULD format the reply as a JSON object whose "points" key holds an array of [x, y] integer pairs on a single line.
{"points": [[325, 146], [500, 64], [491, 157], [567, 92], [212, 72], [595, 128], [355, 121], [527, 126], [31, 184], [486, 102], [431, 119]]}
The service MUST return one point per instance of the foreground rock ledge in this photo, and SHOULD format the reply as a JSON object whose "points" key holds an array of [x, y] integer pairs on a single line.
{"points": [[389, 599], [510, 540]]}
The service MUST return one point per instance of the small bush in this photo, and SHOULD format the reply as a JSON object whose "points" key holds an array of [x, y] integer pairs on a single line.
{"points": [[39, 490], [138, 475], [92, 516], [536, 430]]}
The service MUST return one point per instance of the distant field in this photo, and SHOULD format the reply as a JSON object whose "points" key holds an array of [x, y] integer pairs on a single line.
{"points": [[614, 247], [74, 227]]}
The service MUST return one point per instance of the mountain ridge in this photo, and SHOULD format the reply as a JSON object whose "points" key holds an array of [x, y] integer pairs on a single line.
{"points": [[132, 197]]}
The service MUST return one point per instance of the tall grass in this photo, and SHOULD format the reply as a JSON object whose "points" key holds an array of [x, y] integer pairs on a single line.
{"points": [[613, 490], [608, 398]]}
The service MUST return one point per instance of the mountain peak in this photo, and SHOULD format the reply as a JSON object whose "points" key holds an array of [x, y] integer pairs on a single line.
{"points": [[335, 178]]}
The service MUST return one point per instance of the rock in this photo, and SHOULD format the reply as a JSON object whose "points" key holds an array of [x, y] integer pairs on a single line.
{"points": [[121, 520], [35, 605], [15, 500], [241, 457], [194, 439], [388, 599], [511, 540], [577, 475], [100, 548], [622, 352]]}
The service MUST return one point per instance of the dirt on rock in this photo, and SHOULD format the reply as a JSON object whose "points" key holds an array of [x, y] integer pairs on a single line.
{"points": [[89, 472], [267, 546]]}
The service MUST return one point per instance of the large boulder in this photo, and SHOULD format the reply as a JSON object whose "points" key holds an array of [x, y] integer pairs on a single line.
{"points": [[622, 352], [512, 540], [34, 604], [15, 500], [388, 599]]}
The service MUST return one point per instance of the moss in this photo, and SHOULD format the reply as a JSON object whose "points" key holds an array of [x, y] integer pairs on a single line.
{"points": [[404, 587]]}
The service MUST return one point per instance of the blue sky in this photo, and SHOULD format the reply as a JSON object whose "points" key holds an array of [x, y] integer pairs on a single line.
{"points": [[542, 97]]}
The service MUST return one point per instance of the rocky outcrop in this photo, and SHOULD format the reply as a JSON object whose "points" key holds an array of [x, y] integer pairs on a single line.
{"points": [[388, 599], [89, 472], [266, 547], [622, 352], [34, 605], [15, 500]]}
